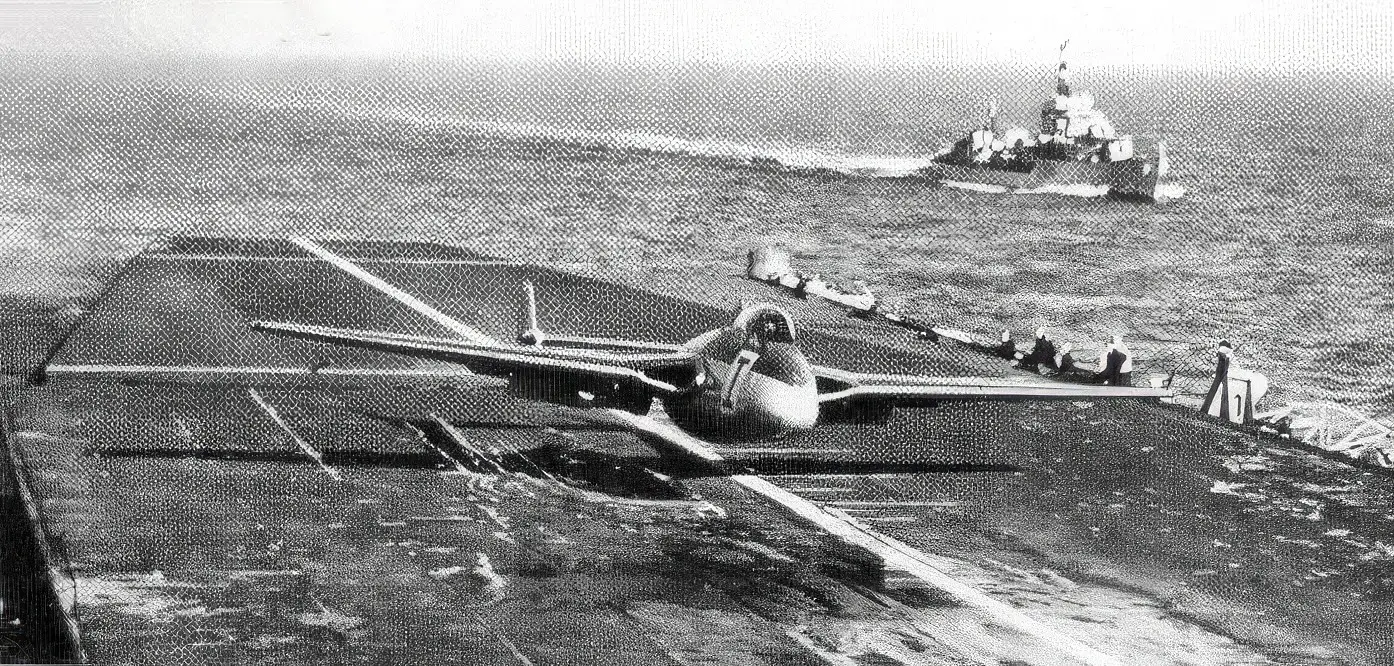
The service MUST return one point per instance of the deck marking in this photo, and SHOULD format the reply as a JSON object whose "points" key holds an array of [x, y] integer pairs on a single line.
{"points": [[671, 435], [512, 649], [893, 503], [465, 445], [893, 552], [421, 435], [910, 560], [516, 450], [449, 323], [242, 258], [304, 445]]}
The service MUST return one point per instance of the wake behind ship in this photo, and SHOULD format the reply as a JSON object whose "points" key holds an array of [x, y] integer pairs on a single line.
{"points": [[1076, 147]]}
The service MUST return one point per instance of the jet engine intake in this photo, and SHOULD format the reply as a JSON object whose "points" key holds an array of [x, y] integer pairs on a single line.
{"points": [[856, 411]]}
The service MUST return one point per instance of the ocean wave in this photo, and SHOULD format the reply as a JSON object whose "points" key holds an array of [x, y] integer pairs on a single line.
{"points": [[977, 187]]}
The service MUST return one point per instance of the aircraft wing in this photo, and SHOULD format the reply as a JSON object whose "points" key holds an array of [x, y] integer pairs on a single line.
{"points": [[654, 369], [270, 376], [841, 386]]}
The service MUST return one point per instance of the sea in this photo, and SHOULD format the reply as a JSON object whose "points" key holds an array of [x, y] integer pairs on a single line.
{"points": [[1279, 237]]}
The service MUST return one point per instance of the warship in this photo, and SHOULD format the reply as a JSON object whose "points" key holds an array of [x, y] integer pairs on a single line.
{"points": [[1076, 149]]}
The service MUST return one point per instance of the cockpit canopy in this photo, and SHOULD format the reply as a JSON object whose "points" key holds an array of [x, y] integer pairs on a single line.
{"points": [[766, 322]]}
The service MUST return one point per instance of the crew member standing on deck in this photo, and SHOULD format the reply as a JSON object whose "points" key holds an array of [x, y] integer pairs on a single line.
{"points": [[1042, 354], [1219, 388], [1006, 348], [1065, 361], [1116, 364]]}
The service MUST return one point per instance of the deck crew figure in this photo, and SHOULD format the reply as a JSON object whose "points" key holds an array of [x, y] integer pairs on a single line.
{"points": [[1042, 354], [1116, 364], [1006, 348], [1065, 361], [801, 289], [1219, 388]]}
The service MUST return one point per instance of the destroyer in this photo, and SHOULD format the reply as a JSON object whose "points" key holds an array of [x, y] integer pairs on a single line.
{"points": [[1076, 148]]}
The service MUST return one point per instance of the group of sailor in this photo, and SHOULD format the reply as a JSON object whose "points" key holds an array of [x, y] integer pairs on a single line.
{"points": [[1115, 364]]}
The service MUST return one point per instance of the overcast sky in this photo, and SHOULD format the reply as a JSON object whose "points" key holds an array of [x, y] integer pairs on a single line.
{"points": [[1219, 34]]}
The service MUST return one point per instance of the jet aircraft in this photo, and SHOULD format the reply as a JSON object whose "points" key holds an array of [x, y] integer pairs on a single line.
{"points": [[748, 381]]}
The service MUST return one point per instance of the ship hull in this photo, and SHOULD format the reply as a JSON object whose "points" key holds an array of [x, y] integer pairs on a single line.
{"points": [[1135, 178]]}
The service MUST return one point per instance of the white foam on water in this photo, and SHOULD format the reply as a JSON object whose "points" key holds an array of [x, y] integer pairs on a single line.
{"points": [[977, 187], [788, 155]]}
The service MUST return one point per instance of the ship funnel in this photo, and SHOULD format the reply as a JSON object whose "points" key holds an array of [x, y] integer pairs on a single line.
{"points": [[1162, 165]]}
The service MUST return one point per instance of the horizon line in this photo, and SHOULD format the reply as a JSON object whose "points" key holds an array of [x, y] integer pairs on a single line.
{"points": [[314, 57]]}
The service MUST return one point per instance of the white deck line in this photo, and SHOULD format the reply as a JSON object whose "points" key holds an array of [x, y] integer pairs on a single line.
{"points": [[243, 258], [890, 504], [426, 441], [465, 444], [304, 445], [895, 554], [449, 323]]}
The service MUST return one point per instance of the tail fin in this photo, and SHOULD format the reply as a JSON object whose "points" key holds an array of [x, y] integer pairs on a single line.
{"points": [[529, 332]]}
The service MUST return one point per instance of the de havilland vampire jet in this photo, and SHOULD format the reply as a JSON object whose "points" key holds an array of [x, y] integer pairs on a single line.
{"points": [[747, 381]]}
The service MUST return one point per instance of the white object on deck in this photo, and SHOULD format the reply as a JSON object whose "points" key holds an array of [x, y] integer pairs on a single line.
{"points": [[1246, 388]]}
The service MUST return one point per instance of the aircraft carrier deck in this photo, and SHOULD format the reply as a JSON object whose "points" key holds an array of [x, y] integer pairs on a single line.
{"points": [[456, 524]]}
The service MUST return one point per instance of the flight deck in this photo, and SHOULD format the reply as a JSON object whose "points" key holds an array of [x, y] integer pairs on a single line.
{"points": [[314, 519]]}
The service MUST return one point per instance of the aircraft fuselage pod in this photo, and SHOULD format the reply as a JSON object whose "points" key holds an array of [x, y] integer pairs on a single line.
{"points": [[753, 381]]}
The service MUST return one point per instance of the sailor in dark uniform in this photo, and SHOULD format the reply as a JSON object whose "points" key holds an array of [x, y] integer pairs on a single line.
{"points": [[1116, 365], [1041, 355], [1219, 388], [801, 289], [1064, 360], [1006, 348]]}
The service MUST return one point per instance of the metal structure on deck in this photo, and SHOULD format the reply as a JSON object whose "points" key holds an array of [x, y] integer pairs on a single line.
{"points": [[1333, 428]]}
